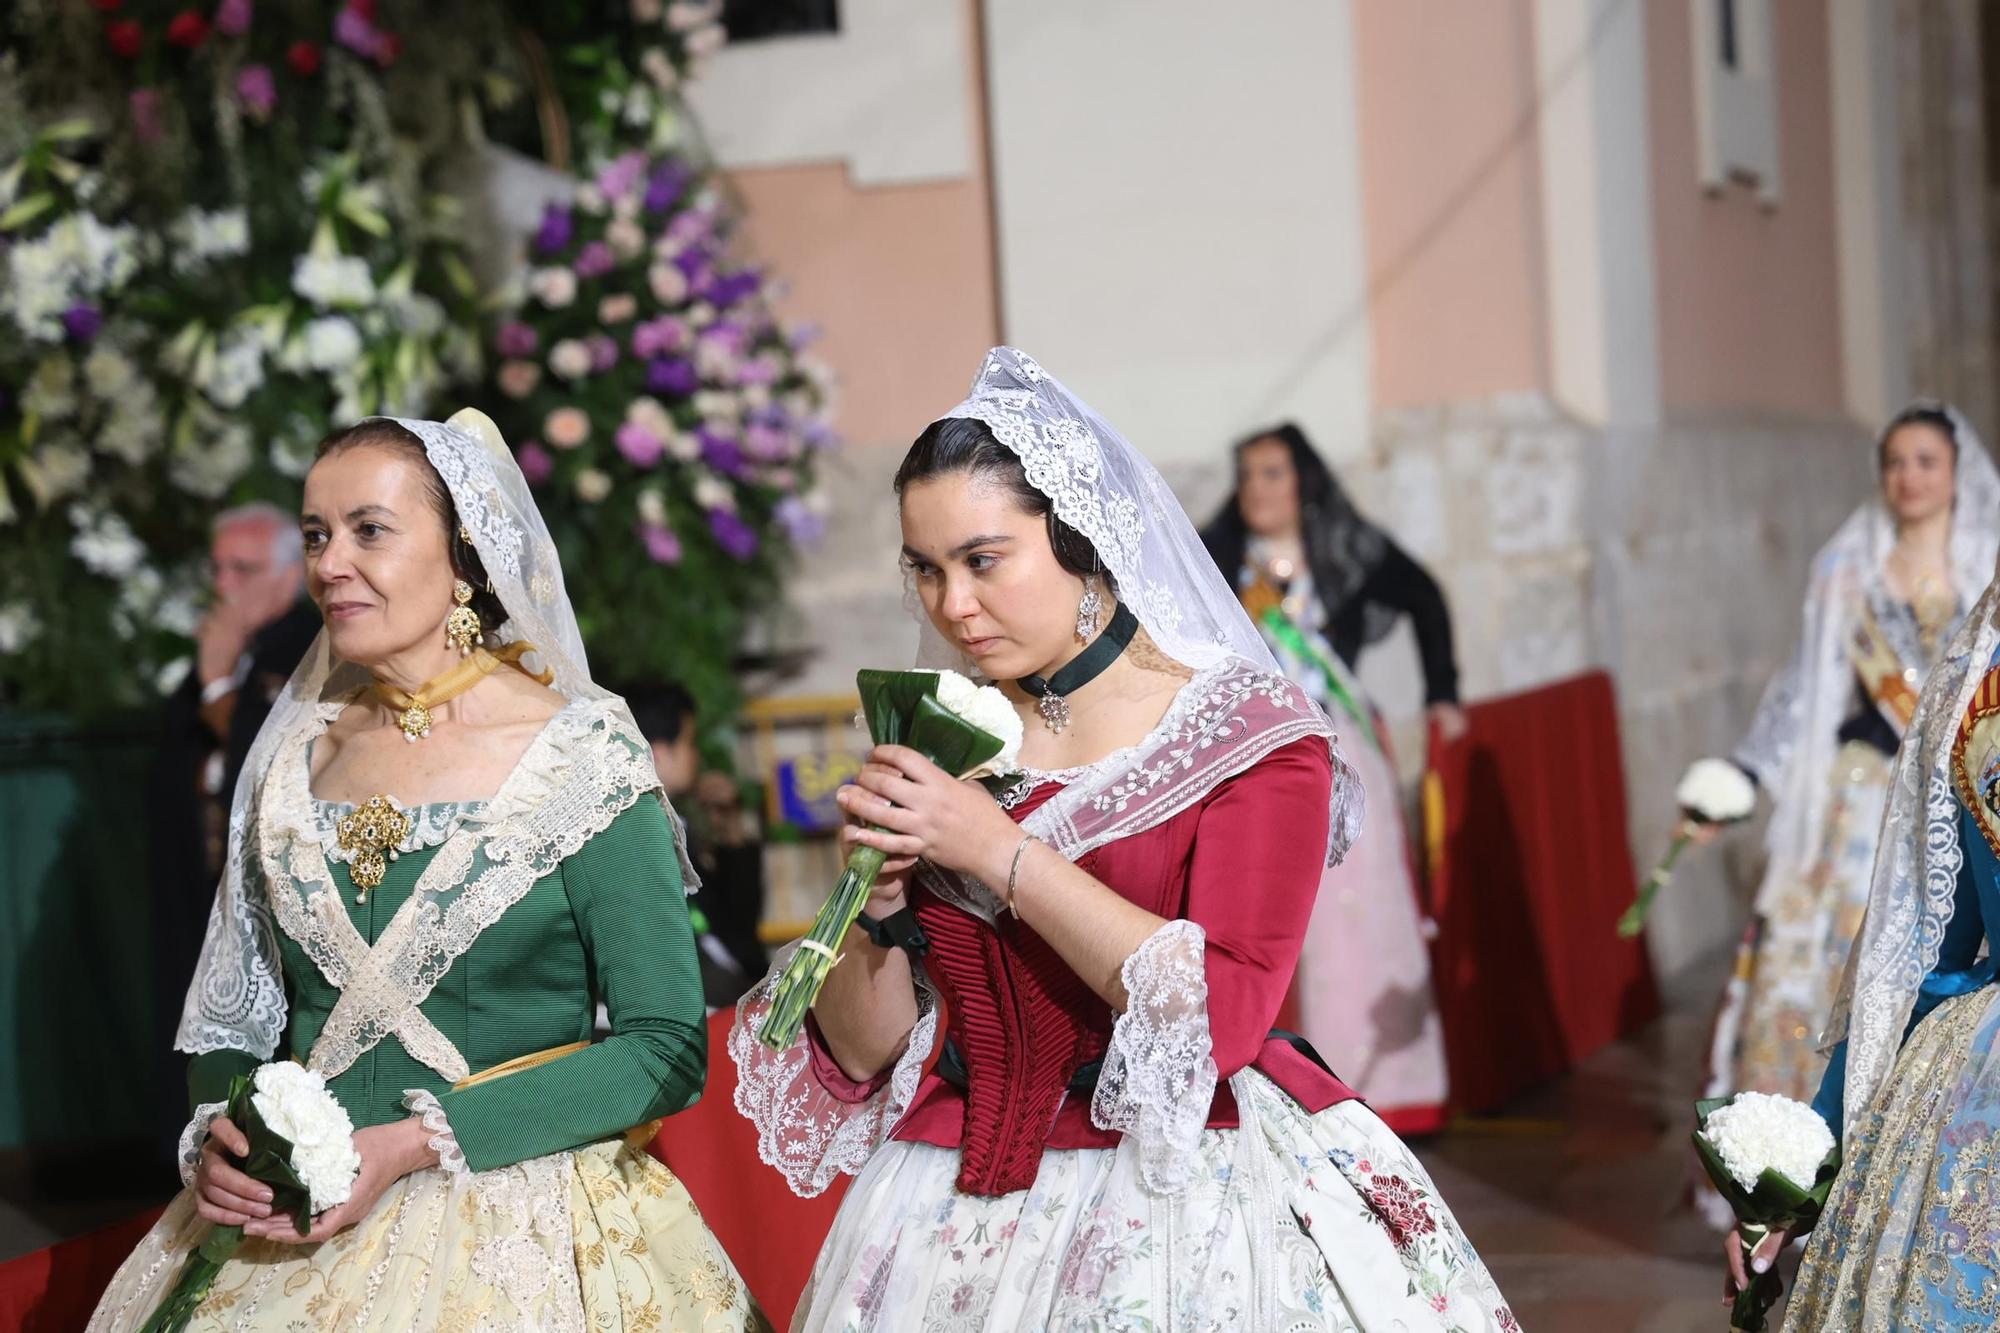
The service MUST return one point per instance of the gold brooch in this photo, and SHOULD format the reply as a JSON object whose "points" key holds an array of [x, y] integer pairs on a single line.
{"points": [[371, 835]]}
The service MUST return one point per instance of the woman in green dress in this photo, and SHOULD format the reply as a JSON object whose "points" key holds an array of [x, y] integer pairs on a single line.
{"points": [[447, 847]]}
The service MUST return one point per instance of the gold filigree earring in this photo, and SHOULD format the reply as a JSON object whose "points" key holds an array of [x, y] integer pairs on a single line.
{"points": [[461, 627]]}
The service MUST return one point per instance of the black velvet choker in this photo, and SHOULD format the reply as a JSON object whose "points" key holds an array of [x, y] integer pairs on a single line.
{"points": [[1080, 670]]}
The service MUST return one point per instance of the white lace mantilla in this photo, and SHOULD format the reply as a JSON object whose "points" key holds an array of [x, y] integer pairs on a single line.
{"points": [[803, 1130], [586, 767]]}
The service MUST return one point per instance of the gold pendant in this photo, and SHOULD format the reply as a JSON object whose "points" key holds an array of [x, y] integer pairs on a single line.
{"points": [[416, 723], [371, 834], [1054, 710]]}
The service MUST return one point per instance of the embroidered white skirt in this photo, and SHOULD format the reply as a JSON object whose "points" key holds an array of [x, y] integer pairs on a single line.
{"points": [[601, 1238], [1298, 1223]]}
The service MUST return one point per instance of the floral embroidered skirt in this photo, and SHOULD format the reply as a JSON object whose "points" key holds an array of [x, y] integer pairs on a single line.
{"points": [[601, 1238], [1910, 1237], [1298, 1222], [1795, 950]]}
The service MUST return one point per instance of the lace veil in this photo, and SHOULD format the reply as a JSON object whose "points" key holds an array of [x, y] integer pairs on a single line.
{"points": [[237, 998], [1792, 741]]}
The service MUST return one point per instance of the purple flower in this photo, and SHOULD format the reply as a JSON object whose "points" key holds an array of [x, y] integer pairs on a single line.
{"points": [[82, 322], [352, 30], [257, 90], [536, 462], [800, 523], [640, 446], [693, 264], [732, 534], [721, 453], [766, 444], [658, 336], [603, 353], [232, 17], [516, 339], [671, 374], [726, 290], [669, 179], [595, 260], [690, 226], [621, 176], [556, 230], [146, 124], [819, 435], [804, 336], [661, 545]]}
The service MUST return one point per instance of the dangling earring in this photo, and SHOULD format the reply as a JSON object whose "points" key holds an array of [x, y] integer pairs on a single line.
{"points": [[1088, 612], [461, 627]]}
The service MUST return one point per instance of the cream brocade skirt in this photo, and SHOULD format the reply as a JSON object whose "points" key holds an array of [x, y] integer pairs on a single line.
{"points": [[601, 1238]]}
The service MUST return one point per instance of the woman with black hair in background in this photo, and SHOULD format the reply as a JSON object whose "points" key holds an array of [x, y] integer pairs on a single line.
{"points": [[1322, 582]]}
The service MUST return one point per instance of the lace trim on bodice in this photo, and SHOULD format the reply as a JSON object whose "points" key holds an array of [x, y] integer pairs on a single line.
{"points": [[430, 825]]}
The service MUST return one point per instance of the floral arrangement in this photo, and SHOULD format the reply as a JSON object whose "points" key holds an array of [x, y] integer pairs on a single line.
{"points": [[1773, 1159], [1711, 792], [301, 1145], [968, 730]]}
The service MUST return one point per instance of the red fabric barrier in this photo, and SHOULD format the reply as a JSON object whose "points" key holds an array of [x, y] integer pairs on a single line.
{"points": [[54, 1290], [1531, 872], [772, 1235]]}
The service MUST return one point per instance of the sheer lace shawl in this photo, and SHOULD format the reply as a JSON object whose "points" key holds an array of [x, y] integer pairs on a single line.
{"points": [[1912, 896], [1794, 736], [237, 999], [1158, 1079]]}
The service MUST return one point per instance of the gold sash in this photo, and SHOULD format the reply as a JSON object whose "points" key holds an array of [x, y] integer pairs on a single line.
{"points": [[636, 1137], [1889, 682]]}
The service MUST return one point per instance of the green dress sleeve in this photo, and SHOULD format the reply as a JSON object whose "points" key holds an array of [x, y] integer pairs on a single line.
{"points": [[625, 891], [210, 1072]]}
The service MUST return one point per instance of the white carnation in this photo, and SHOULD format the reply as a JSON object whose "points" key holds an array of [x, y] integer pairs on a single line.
{"points": [[652, 509], [333, 280], [415, 314], [237, 369], [77, 259], [133, 432], [1716, 791], [1758, 1131], [210, 466], [200, 237], [56, 469], [570, 359], [991, 711], [712, 492], [108, 371], [592, 485], [295, 1104], [51, 391], [18, 626], [554, 287], [332, 343]]}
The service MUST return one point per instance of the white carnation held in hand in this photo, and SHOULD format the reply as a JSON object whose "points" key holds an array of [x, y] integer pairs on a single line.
{"points": [[1759, 1131], [1716, 791], [991, 711], [296, 1105]]}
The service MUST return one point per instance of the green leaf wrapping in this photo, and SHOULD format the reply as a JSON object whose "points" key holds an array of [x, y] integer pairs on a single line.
{"points": [[1776, 1201], [902, 709]]}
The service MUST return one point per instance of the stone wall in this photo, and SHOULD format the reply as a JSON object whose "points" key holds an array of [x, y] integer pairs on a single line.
{"points": [[1673, 556]]}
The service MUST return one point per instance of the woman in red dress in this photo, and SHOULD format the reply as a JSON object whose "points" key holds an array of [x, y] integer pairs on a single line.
{"points": [[1110, 1134]]}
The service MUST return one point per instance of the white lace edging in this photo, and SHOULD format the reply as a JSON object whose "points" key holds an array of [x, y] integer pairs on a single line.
{"points": [[194, 1136], [1158, 1080], [803, 1130], [442, 1142]]}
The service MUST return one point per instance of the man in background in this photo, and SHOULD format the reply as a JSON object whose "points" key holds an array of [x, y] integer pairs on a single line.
{"points": [[258, 626], [722, 843]]}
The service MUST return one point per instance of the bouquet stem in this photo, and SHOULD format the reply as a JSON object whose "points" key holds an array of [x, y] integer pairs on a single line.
{"points": [[1634, 919], [799, 985], [1754, 1302], [197, 1276]]}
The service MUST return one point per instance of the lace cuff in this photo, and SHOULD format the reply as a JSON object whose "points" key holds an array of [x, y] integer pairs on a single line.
{"points": [[1159, 1075], [443, 1142], [811, 1132], [194, 1136]]}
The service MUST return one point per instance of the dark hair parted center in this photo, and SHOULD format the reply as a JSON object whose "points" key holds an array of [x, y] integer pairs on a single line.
{"points": [[956, 446], [382, 433], [1936, 418]]}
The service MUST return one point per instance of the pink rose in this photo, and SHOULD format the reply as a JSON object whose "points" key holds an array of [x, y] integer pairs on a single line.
{"points": [[640, 446], [567, 427], [257, 90], [669, 284], [617, 309], [232, 17], [519, 378], [662, 547], [536, 462]]}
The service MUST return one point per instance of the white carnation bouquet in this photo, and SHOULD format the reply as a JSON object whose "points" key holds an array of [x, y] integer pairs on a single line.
{"points": [[301, 1145], [968, 730], [1712, 791], [1773, 1159]]}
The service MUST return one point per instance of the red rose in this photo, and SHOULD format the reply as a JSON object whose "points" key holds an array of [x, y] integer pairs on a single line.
{"points": [[126, 37], [387, 47], [188, 29], [303, 57], [110, 6], [363, 8]]}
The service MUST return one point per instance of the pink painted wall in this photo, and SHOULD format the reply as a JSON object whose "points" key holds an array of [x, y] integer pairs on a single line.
{"points": [[1451, 198], [1749, 310], [901, 277]]}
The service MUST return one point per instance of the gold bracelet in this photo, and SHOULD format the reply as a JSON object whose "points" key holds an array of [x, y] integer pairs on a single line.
{"points": [[1014, 874]]}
